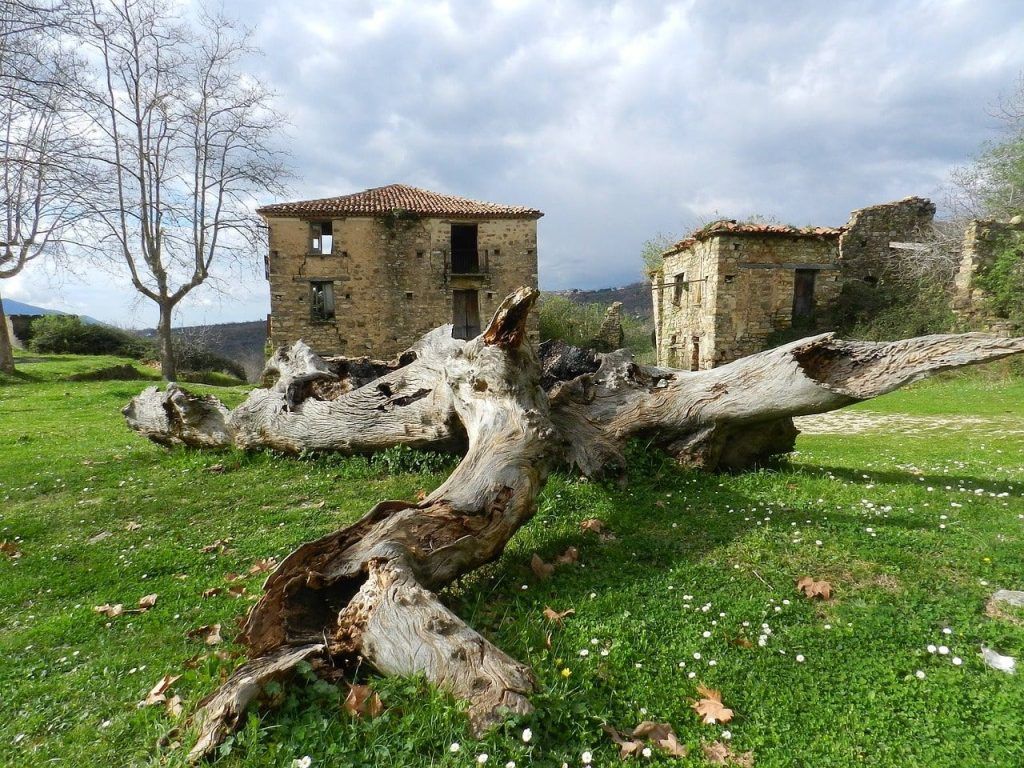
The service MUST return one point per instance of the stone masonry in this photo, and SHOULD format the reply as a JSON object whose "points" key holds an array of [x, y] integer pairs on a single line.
{"points": [[725, 290], [388, 268]]}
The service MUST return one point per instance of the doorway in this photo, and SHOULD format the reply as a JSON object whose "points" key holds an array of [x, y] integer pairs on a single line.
{"points": [[465, 254], [465, 315], [803, 294]]}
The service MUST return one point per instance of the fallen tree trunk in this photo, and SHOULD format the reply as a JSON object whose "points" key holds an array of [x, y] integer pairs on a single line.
{"points": [[368, 591]]}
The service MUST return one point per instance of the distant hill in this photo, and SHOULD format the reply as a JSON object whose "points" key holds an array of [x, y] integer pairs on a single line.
{"points": [[241, 342], [14, 307], [635, 298]]}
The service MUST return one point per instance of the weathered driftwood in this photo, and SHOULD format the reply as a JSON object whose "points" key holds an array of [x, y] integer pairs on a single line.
{"points": [[369, 591]]}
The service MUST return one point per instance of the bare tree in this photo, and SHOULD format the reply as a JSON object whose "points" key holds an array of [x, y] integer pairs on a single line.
{"points": [[184, 139], [42, 177]]}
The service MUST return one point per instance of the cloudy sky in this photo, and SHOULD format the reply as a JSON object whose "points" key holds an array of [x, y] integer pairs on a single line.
{"points": [[618, 119]]}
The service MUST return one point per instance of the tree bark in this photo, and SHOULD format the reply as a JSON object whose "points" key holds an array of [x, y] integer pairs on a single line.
{"points": [[6, 348], [165, 342], [369, 591]]}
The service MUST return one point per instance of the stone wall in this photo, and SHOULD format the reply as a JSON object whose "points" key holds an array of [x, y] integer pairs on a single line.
{"points": [[391, 277], [756, 284], [739, 292], [864, 245], [684, 307], [610, 335], [982, 241]]}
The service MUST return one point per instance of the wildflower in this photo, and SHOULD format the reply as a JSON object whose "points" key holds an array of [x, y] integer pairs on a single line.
{"points": [[919, 674], [566, 672], [646, 752], [527, 735], [586, 757], [947, 631], [800, 658], [302, 762], [943, 650], [510, 764], [957, 661], [696, 655], [712, 663], [482, 758], [584, 653], [932, 648], [691, 675], [726, 735], [705, 633]]}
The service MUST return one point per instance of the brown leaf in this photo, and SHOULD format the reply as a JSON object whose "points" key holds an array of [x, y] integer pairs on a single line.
{"points": [[108, 610], [742, 642], [570, 556], [173, 705], [230, 577], [710, 707], [627, 747], [215, 468], [220, 545], [212, 591], [237, 590], [362, 700], [812, 588], [263, 565], [540, 569], [147, 602], [10, 549], [421, 495], [556, 616], [156, 693], [132, 526], [649, 729], [208, 633], [670, 745], [718, 753], [592, 524], [193, 662]]}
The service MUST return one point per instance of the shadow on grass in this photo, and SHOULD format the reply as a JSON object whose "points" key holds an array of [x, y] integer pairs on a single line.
{"points": [[894, 477]]}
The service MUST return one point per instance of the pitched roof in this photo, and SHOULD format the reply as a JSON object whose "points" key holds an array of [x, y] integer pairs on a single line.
{"points": [[400, 197], [732, 227]]}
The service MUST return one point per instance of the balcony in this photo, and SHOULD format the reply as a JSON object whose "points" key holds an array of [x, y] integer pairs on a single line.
{"points": [[468, 262]]}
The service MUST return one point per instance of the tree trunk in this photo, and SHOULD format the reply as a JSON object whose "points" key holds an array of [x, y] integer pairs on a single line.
{"points": [[369, 591], [6, 348], [165, 342]]}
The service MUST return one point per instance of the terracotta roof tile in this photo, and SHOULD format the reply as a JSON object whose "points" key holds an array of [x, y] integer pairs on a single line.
{"points": [[400, 197], [732, 227]]}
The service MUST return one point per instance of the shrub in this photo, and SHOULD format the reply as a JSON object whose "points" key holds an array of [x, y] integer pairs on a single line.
{"points": [[67, 334], [578, 324], [1003, 280]]}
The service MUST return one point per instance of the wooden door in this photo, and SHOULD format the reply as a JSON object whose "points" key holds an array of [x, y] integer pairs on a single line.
{"points": [[465, 315], [803, 293]]}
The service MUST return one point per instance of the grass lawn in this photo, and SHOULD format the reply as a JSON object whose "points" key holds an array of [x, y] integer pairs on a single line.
{"points": [[914, 532]]}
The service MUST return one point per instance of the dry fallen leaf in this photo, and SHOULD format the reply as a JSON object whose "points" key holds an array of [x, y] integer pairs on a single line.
{"points": [[156, 693], [540, 569], [99, 537], [193, 662], [220, 545], [570, 556], [812, 588], [263, 565], [237, 590], [132, 526], [10, 549], [627, 747], [218, 467], [212, 591], [718, 753], [556, 616], [108, 610], [710, 707], [362, 700], [147, 602], [208, 633], [592, 524]]}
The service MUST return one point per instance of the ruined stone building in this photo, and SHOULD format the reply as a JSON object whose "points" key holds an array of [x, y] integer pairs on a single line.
{"points": [[371, 272], [983, 240], [722, 292]]}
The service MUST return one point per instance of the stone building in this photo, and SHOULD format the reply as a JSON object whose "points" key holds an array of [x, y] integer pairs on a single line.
{"points": [[371, 272], [722, 292]]}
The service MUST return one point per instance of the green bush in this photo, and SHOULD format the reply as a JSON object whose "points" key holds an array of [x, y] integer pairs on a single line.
{"points": [[578, 324], [893, 310], [67, 334], [1003, 280]]}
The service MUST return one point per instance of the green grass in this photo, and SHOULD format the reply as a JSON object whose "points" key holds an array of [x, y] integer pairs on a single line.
{"points": [[71, 472]]}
